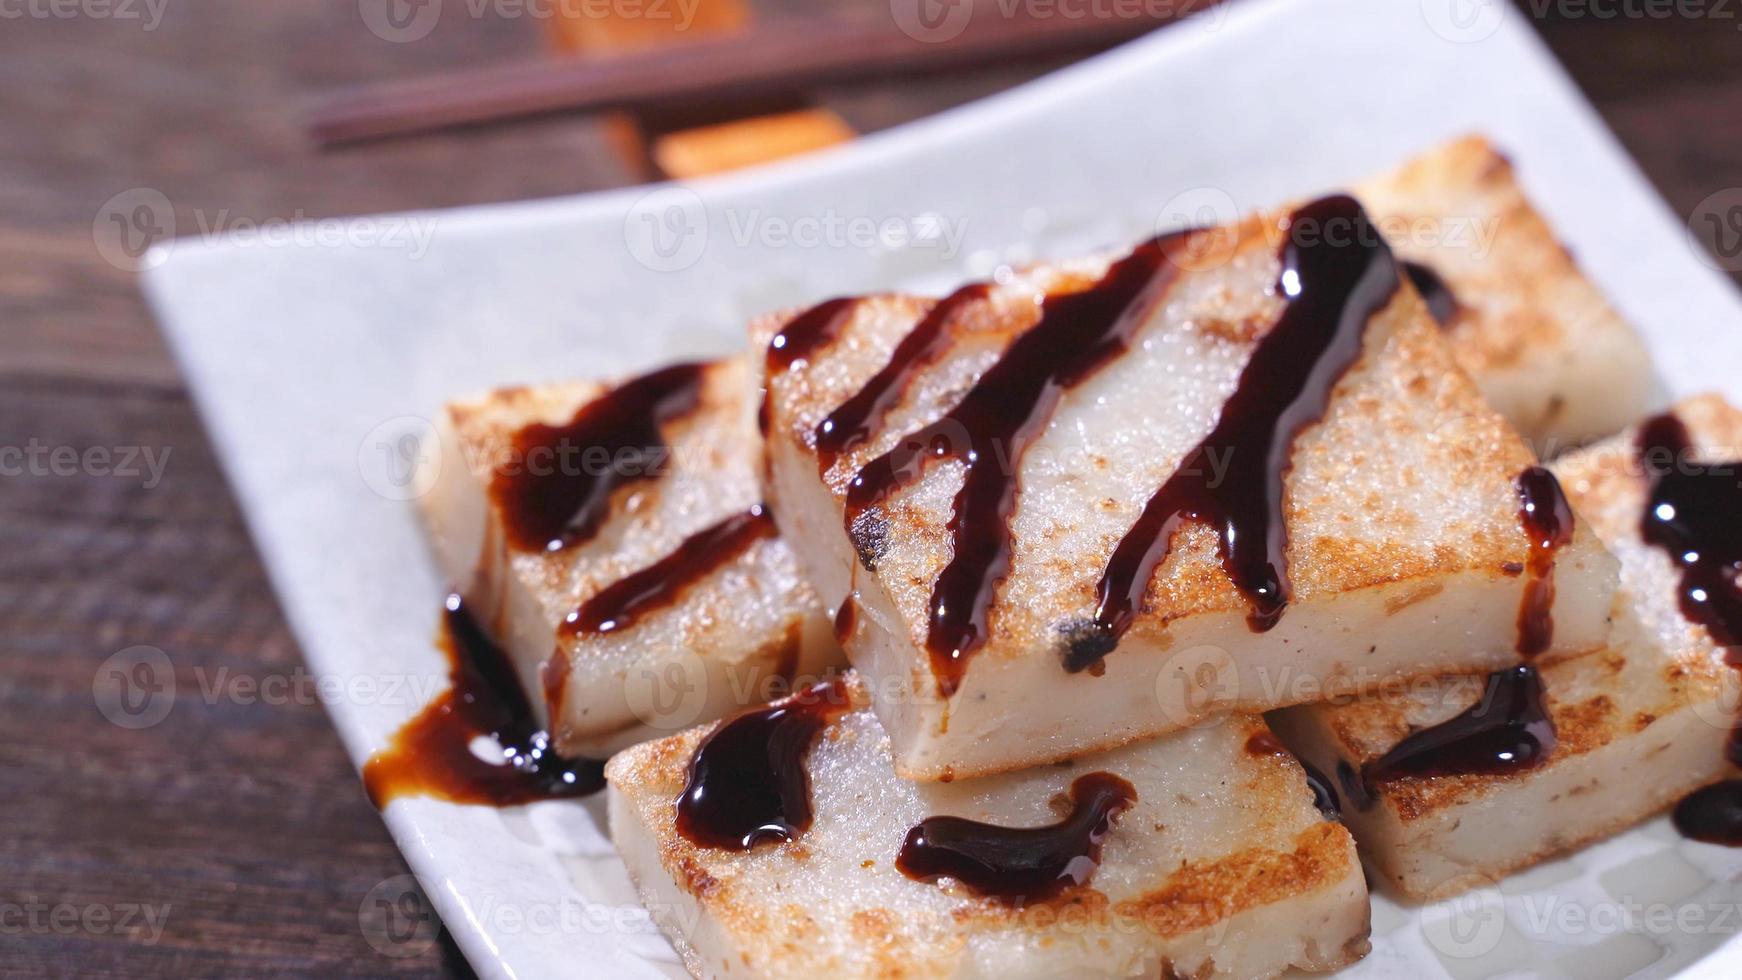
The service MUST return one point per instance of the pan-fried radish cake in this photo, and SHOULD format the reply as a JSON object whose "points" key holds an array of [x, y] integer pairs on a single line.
{"points": [[781, 843], [1541, 341], [612, 539], [1088, 503], [1448, 784]]}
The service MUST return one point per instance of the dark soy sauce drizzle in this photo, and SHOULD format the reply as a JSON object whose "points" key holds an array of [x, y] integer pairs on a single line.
{"points": [[846, 620], [1334, 281], [621, 604], [1441, 302], [1548, 521], [1507, 730], [1694, 513], [1712, 814], [1324, 793], [747, 783], [1324, 796], [1354, 790], [1019, 865], [1265, 743], [552, 498], [431, 754], [857, 420], [809, 332], [553, 677], [993, 425], [802, 337]]}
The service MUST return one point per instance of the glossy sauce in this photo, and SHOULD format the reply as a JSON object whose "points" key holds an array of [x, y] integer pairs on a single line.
{"points": [[431, 754], [991, 428], [1694, 513], [1442, 303], [553, 677], [1265, 743], [1712, 814], [1334, 284], [559, 490], [846, 620], [1507, 730], [1354, 789], [747, 783], [621, 604], [1324, 793], [1548, 522], [801, 338], [859, 418], [809, 332], [1019, 865]]}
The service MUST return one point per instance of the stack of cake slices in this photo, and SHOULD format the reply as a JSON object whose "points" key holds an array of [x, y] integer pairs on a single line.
{"points": [[1172, 582]]}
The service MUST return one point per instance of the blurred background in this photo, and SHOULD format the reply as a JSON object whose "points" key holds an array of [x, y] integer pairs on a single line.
{"points": [[231, 836]]}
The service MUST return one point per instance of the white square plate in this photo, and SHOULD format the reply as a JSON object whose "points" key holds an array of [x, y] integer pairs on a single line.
{"points": [[313, 355]]}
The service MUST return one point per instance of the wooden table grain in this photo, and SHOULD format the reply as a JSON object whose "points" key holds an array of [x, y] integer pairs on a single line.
{"points": [[231, 836]]}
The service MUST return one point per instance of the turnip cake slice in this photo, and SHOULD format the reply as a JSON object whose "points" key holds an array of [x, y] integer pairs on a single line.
{"points": [[1448, 784], [1540, 340], [783, 844], [612, 539], [1089, 503]]}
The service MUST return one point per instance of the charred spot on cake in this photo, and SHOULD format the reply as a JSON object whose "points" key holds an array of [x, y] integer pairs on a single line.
{"points": [[870, 535], [1086, 645]]}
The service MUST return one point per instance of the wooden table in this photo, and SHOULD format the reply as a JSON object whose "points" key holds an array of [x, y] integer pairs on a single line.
{"points": [[241, 816]]}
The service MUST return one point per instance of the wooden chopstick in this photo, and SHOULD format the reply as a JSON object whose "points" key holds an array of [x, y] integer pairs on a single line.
{"points": [[770, 59]]}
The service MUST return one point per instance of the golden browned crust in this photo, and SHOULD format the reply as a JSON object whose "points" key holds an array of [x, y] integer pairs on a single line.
{"points": [[1349, 529], [895, 927], [1198, 896], [708, 444], [1369, 728], [747, 626], [1607, 485], [1469, 180]]}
